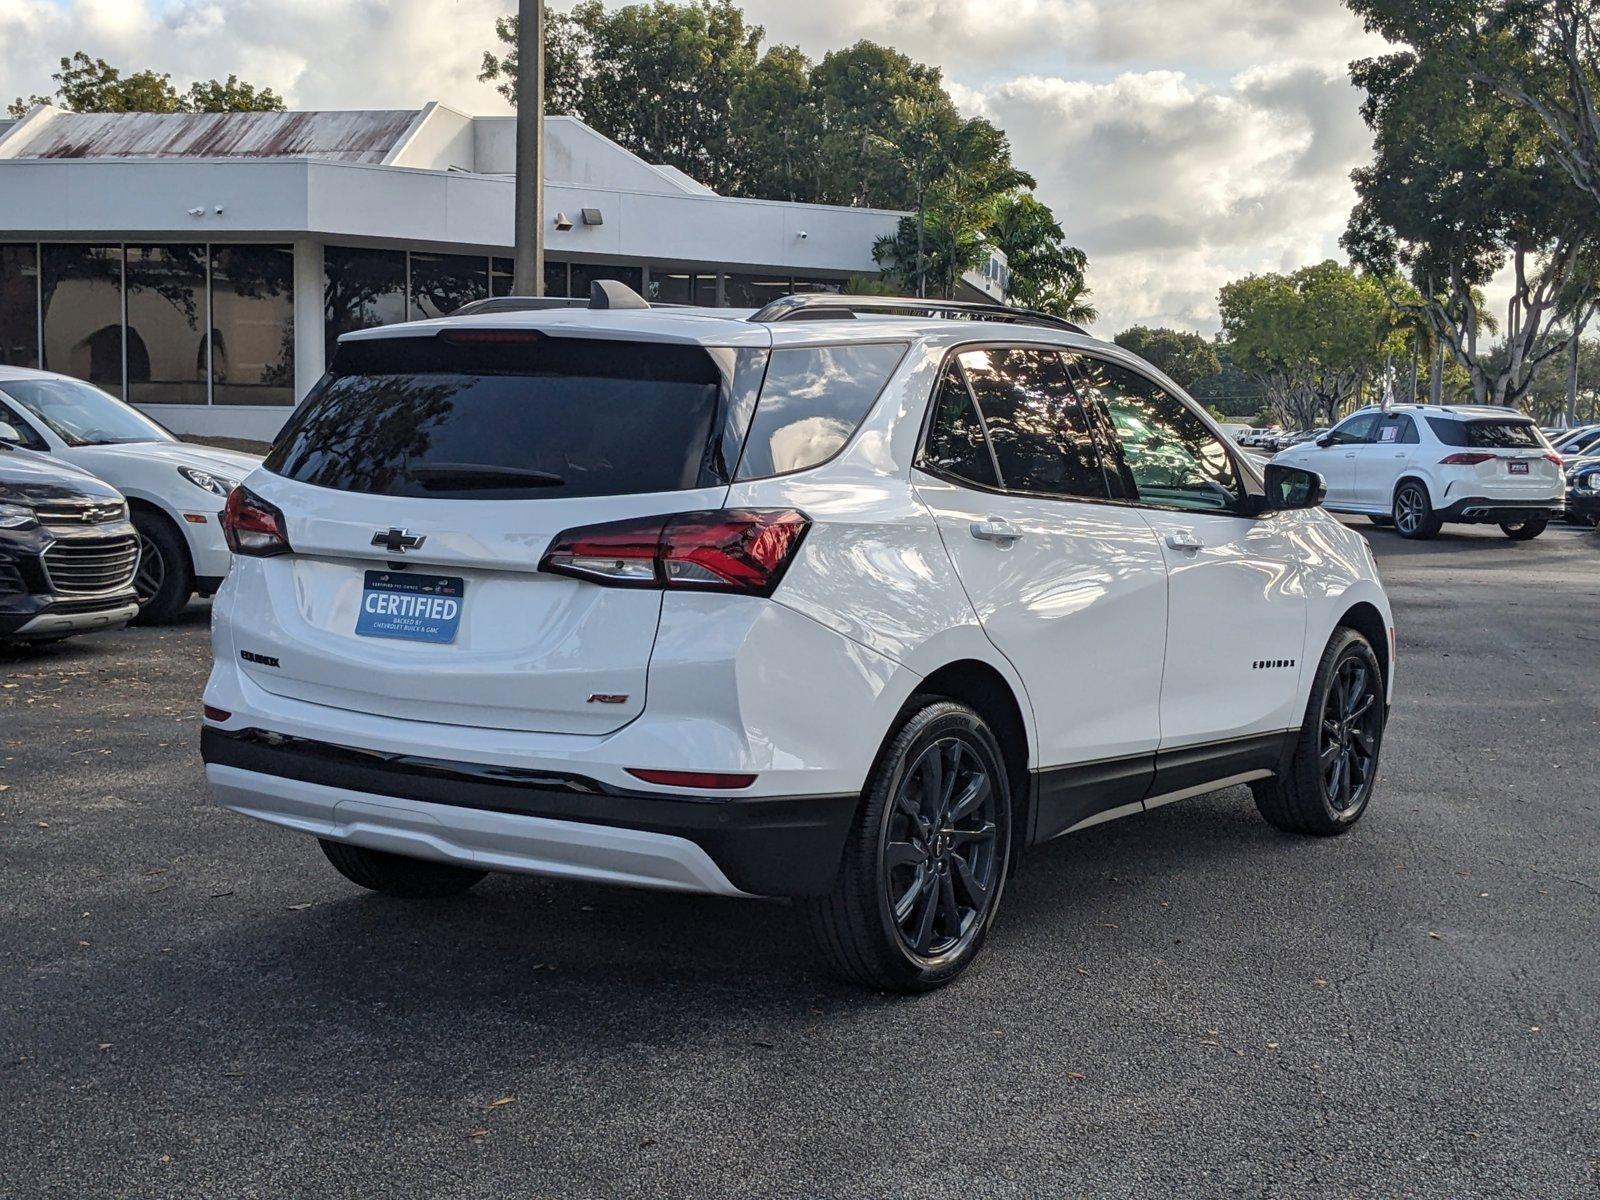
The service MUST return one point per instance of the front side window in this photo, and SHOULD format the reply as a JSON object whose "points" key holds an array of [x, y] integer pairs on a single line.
{"points": [[1171, 458], [956, 442], [1040, 435], [1356, 431], [82, 415], [813, 400]]}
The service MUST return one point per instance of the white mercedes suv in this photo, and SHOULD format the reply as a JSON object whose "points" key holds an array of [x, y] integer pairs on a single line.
{"points": [[849, 600], [1417, 466]]}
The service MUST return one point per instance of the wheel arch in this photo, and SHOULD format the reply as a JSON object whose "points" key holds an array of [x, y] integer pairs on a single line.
{"points": [[1413, 477], [984, 689], [1365, 618], [139, 504]]}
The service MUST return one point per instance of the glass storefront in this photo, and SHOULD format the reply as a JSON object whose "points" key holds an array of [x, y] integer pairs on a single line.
{"points": [[442, 283], [166, 324], [252, 324], [81, 297], [362, 288], [19, 305]]}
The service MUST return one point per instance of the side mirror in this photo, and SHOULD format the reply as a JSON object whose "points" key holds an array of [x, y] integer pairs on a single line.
{"points": [[1290, 488], [1325, 440], [10, 433]]}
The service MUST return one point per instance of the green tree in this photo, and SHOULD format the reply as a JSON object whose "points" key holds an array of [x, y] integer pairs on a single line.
{"points": [[92, 85], [1187, 357], [1316, 340], [1462, 186], [775, 114]]}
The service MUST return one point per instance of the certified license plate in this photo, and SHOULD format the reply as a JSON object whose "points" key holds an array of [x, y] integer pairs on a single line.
{"points": [[1517, 466], [415, 608]]}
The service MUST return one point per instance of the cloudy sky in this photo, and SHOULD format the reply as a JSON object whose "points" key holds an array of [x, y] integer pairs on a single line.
{"points": [[1182, 144]]}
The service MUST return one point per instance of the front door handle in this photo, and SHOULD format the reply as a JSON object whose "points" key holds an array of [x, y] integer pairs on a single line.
{"points": [[1184, 539], [996, 529]]}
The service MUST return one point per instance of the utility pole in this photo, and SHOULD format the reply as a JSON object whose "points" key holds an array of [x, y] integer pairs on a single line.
{"points": [[527, 278]]}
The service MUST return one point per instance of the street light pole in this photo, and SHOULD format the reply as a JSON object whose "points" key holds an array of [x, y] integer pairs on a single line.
{"points": [[527, 278]]}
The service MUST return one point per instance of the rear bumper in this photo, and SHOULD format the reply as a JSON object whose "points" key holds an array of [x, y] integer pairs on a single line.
{"points": [[505, 819], [1486, 510], [1585, 504]]}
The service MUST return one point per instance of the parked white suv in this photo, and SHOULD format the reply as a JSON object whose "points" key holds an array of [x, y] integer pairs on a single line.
{"points": [[1419, 466], [175, 489], [819, 603]]}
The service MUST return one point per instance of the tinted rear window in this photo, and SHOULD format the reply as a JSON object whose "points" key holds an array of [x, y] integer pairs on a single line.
{"points": [[1488, 435], [813, 400], [561, 417]]}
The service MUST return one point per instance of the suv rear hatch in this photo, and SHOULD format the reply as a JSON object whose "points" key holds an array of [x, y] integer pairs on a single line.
{"points": [[1501, 458], [428, 475]]}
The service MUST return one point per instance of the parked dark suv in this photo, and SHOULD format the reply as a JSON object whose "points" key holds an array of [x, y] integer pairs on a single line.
{"points": [[67, 551]]}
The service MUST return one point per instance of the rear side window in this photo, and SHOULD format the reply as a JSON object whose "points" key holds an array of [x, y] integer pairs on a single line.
{"points": [[560, 417], [813, 401], [956, 444], [1396, 430], [1488, 435], [1040, 436]]}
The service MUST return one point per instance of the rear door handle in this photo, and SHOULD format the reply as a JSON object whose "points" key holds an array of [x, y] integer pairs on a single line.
{"points": [[996, 529], [1184, 539]]}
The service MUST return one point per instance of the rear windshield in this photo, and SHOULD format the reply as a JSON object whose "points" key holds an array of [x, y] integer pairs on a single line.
{"points": [[561, 417], [1488, 435]]}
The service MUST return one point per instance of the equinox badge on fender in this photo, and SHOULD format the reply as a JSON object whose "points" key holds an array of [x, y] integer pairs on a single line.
{"points": [[398, 541]]}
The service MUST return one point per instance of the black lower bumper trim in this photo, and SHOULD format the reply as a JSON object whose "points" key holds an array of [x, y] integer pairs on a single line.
{"points": [[1482, 510], [786, 846]]}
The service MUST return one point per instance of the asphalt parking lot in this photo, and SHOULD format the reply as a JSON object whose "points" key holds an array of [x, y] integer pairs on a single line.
{"points": [[1183, 1004]]}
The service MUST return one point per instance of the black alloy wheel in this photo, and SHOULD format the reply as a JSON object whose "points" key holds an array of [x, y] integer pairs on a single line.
{"points": [[152, 573], [941, 861], [1349, 752], [163, 581]]}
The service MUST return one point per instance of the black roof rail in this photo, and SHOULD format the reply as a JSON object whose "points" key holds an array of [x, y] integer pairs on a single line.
{"points": [[823, 306]]}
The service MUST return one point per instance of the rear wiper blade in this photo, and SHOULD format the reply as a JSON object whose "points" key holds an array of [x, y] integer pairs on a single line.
{"points": [[477, 475]]}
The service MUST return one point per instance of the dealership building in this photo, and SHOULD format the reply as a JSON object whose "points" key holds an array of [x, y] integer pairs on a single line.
{"points": [[201, 265]]}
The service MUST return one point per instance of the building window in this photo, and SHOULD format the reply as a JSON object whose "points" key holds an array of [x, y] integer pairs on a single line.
{"points": [[754, 291], [81, 288], [583, 274], [166, 308], [252, 324], [830, 286], [362, 288], [501, 272], [442, 283], [19, 305], [672, 287]]}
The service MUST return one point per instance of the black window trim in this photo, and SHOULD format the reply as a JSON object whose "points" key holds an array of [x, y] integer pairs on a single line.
{"points": [[1245, 475], [953, 355]]}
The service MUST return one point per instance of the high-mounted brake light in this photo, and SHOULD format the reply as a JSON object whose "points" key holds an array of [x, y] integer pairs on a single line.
{"points": [[1464, 459], [252, 526], [745, 551], [497, 337]]}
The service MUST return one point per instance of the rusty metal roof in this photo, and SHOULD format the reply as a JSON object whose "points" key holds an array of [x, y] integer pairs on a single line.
{"points": [[364, 136]]}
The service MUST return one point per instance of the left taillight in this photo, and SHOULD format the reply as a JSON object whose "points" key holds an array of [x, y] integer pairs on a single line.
{"points": [[743, 551], [252, 526]]}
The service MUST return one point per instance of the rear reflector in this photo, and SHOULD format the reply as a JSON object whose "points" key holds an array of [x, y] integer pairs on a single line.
{"points": [[216, 714], [693, 779], [252, 526], [1464, 459], [744, 551]]}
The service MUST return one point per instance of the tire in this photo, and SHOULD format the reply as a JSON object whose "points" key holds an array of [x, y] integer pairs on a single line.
{"points": [[1525, 531], [1307, 797], [164, 580], [397, 875], [1381, 522], [910, 838], [1412, 512]]}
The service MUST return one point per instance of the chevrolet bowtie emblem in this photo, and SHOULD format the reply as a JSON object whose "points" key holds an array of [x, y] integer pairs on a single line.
{"points": [[398, 541]]}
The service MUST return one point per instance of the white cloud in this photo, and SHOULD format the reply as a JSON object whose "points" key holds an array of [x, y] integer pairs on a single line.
{"points": [[1182, 144]]}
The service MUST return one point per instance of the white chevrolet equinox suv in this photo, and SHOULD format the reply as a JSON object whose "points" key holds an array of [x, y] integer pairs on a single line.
{"points": [[849, 600]]}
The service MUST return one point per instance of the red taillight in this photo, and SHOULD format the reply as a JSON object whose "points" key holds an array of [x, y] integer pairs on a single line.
{"points": [[693, 779], [1552, 456], [252, 526], [735, 550], [1464, 459]]}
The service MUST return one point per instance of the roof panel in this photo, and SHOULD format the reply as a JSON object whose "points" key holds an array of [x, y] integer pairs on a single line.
{"points": [[363, 136]]}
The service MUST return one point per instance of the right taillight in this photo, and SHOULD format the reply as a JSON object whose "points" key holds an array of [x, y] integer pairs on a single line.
{"points": [[1464, 459], [252, 526], [744, 551]]}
